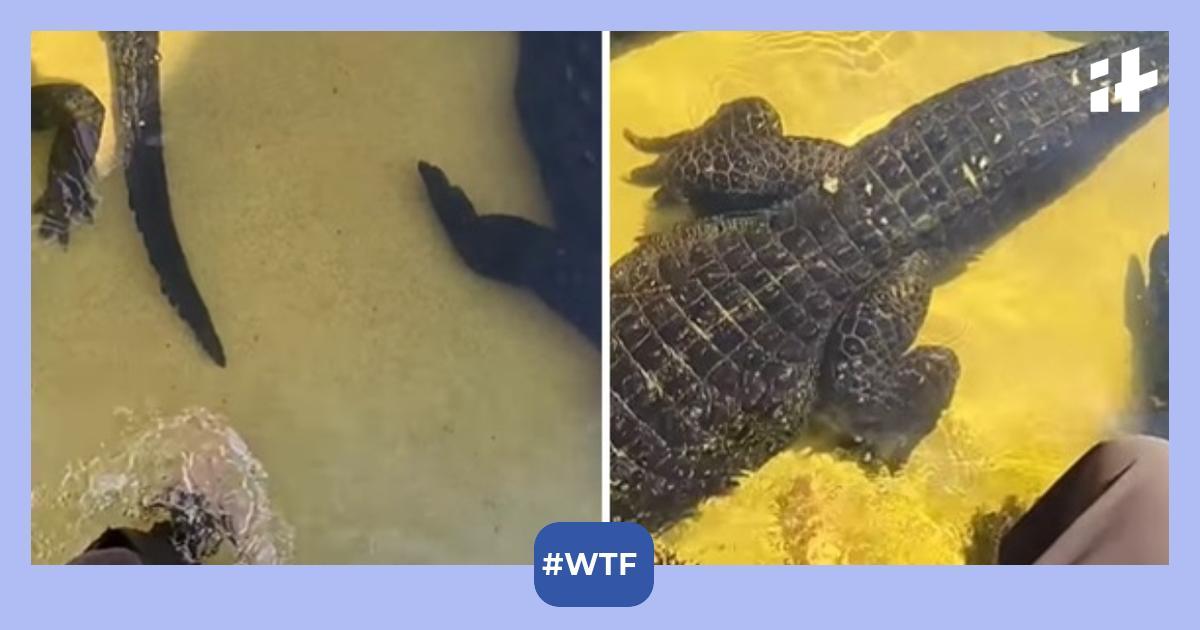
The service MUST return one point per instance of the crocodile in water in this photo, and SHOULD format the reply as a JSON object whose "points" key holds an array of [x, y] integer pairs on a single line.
{"points": [[558, 95], [794, 304]]}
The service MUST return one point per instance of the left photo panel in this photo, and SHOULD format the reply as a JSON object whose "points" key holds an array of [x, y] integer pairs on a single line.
{"points": [[314, 297]]}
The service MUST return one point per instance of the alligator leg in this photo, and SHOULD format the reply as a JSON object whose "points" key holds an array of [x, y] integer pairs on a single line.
{"points": [[519, 252], [737, 160], [878, 396], [76, 116]]}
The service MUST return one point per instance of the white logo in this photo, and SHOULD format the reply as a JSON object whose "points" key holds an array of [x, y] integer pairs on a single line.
{"points": [[1129, 90]]}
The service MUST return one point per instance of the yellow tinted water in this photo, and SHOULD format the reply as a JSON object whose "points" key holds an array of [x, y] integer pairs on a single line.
{"points": [[405, 409], [1037, 321]]}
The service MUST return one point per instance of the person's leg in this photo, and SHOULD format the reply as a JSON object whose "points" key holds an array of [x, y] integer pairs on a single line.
{"points": [[132, 546], [114, 555], [1111, 507]]}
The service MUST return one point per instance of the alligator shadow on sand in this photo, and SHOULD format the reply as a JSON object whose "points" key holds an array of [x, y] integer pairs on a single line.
{"points": [[558, 96]]}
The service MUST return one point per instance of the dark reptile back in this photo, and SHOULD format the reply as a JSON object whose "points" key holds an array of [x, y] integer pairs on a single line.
{"points": [[961, 168], [717, 334], [558, 99]]}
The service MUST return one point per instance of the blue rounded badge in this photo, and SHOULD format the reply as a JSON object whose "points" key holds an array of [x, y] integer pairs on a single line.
{"points": [[593, 564]]}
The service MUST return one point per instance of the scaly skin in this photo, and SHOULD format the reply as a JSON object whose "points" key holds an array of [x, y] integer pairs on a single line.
{"points": [[732, 334], [134, 58]]}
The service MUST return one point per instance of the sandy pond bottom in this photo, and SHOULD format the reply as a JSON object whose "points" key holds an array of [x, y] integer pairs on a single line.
{"points": [[403, 409]]}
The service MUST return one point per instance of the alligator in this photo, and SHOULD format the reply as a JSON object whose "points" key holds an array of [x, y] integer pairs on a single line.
{"points": [[77, 117], [788, 308], [1147, 316], [558, 94]]}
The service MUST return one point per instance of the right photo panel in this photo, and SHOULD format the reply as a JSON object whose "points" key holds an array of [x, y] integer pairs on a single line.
{"points": [[890, 297]]}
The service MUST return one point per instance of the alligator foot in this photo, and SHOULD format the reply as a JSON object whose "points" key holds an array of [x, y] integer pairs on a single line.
{"points": [[518, 252], [877, 398], [76, 116], [496, 246], [737, 160]]}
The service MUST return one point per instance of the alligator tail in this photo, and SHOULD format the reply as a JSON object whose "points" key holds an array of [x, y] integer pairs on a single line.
{"points": [[139, 117]]}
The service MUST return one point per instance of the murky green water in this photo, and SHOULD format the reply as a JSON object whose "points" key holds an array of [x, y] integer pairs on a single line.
{"points": [[403, 408]]}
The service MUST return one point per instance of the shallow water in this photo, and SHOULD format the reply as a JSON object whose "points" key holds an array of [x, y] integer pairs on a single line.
{"points": [[1037, 321], [403, 408]]}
